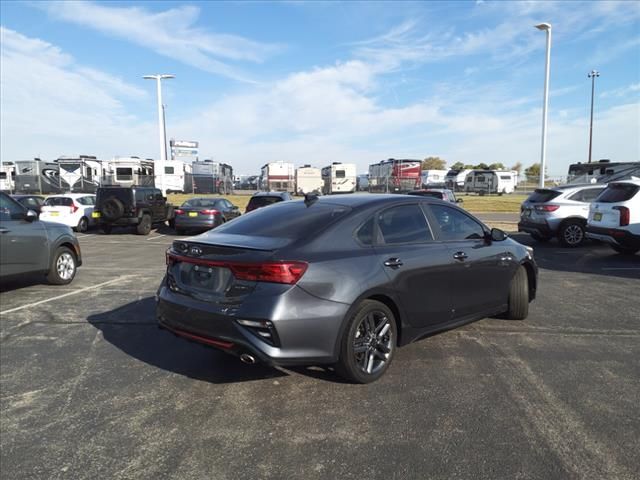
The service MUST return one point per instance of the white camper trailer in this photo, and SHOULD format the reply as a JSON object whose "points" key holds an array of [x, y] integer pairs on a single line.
{"points": [[7, 177], [433, 177], [277, 177], [455, 179], [339, 178], [128, 171], [491, 181], [81, 174], [171, 176], [308, 180]]}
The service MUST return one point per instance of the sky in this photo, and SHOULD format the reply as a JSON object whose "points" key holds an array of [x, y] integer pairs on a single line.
{"points": [[318, 82]]}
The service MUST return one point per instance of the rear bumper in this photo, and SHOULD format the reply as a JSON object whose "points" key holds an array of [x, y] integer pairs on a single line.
{"points": [[542, 229], [185, 222], [306, 327], [614, 236]]}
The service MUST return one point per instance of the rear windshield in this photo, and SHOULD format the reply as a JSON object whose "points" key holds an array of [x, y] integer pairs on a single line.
{"points": [[618, 192], [201, 202], [433, 194], [58, 202], [263, 201], [285, 220], [542, 195]]}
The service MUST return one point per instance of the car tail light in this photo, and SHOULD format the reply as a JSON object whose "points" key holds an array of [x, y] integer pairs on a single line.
{"points": [[74, 208], [179, 212], [625, 215], [273, 272], [547, 208], [209, 212]]}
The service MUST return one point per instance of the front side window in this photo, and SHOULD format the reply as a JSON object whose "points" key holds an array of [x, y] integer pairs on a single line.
{"points": [[404, 224], [9, 208], [456, 225], [58, 202]]}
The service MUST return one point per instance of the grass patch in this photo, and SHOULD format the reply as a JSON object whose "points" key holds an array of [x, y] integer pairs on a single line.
{"points": [[473, 203]]}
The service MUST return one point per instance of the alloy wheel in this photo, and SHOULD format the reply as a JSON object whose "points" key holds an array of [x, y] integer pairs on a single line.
{"points": [[573, 234], [373, 342], [65, 266]]}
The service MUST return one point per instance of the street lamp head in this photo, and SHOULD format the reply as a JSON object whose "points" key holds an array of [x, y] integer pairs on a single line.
{"points": [[167, 76], [593, 73], [158, 77], [543, 26], [149, 77]]}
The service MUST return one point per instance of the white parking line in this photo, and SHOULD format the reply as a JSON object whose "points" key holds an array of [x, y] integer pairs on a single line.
{"points": [[57, 297], [157, 236], [86, 235]]}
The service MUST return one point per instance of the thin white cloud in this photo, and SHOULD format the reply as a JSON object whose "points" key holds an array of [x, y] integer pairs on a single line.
{"points": [[632, 90], [171, 33]]}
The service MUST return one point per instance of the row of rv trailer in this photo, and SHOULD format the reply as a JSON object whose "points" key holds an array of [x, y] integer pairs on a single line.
{"points": [[85, 174]]}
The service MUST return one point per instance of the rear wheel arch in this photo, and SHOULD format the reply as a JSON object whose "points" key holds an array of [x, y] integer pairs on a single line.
{"points": [[532, 281]]}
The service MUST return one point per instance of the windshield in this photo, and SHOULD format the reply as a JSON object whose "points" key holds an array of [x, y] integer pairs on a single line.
{"points": [[58, 202], [542, 196]]}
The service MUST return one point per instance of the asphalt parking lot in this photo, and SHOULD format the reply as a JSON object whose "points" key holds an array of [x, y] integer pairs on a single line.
{"points": [[90, 388]]}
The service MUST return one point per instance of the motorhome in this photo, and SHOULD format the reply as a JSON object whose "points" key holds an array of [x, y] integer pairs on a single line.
{"points": [[339, 178], [7, 176], [212, 177], [491, 181], [128, 171], [37, 176], [278, 177], [394, 176], [308, 180], [602, 171], [434, 178], [81, 174], [454, 180]]}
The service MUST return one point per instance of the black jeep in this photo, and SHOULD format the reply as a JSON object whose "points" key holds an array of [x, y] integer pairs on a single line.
{"points": [[139, 206]]}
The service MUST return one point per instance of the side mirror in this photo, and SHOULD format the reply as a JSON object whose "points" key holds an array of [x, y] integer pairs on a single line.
{"points": [[30, 216], [459, 200], [498, 235]]}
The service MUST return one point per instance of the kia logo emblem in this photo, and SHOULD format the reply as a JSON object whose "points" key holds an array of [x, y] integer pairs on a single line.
{"points": [[195, 251]]}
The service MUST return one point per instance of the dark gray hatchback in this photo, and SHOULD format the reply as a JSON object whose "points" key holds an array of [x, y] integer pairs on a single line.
{"points": [[341, 280]]}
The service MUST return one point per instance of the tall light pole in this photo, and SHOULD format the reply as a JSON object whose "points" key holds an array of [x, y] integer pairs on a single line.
{"points": [[161, 126], [592, 75], [543, 155]]}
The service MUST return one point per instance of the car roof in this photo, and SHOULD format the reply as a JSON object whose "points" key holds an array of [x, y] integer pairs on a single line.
{"points": [[25, 195], [570, 186], [355, 200], [71, 195], [270, 194], [631, 181]]}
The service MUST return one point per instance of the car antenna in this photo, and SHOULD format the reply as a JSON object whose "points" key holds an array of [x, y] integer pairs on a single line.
{"points": [[310, 199]]}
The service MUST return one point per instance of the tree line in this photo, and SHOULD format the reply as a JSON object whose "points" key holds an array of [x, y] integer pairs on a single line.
{"points": [[437, 163]]}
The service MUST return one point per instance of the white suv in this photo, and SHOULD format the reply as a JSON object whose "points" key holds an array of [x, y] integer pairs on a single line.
{"points": [[614, 217], [72, 209]]}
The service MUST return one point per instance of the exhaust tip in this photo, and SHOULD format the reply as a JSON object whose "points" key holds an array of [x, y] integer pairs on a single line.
{"points": [[246, 358]]}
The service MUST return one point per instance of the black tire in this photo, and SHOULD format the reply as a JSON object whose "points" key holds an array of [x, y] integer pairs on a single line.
{"points": [[362, 329], [83, 225], [540, 238], [144, 227], [625, 250], [63, 268], [571, 233], [112, 209], [106, 229], [518, 296]]}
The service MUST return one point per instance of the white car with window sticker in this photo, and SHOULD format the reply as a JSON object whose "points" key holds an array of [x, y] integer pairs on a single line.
{"points": [[614, 217], [71, 209]]}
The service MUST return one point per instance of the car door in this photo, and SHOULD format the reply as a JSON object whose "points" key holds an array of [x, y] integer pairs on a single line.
{"points": [[415, 264], [23, 244], [158, 205], [231, 211], [480, 270]]}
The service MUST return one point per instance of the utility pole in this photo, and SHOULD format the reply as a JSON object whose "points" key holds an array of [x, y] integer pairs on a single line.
{"points": [[543, 154], [592, 75], [159, 173]]}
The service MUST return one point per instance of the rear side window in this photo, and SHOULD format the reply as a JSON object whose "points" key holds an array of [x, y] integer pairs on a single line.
{"points": [[404, 224], [542, 195], [586, 195], [365, 233], [455, 225], [58, 202], [85, 200], [286, 220], [618, 192], [263, 201]]}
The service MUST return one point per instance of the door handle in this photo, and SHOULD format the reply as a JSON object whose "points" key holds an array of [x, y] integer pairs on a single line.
{"points": [[393, 262], [460, 256]]}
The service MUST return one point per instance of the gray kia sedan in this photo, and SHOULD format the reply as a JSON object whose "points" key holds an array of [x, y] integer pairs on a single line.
{"points": [[341, 280], [31, 246], [204, 214]]}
